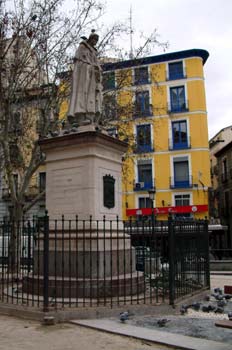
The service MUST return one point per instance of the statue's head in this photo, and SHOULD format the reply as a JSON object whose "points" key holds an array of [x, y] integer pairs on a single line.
{"points": [[93, 38]]}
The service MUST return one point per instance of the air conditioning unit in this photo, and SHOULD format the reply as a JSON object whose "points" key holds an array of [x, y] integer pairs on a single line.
{"points": [[139, 185]]}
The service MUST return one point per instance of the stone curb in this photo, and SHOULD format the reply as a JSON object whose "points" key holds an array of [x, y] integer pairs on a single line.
{"points": [[170, 339]]}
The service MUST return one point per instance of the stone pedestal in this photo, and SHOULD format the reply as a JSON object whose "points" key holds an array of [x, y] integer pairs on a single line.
{"points": [[99, 260], [87, 266], [75, 167]]}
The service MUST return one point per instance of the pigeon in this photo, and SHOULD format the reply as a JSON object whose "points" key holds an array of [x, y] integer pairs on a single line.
{"points": [[124, 316], [184, 309], [227, 296], [215, 295], [208, 308], [219, 310], [219, 297], [217, 290], [162, 322], [196, 306], [230, 315], [211, 307], [221, 303]]}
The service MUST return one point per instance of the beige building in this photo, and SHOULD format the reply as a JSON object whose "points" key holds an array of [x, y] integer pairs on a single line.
{"points": [[216, 143]]}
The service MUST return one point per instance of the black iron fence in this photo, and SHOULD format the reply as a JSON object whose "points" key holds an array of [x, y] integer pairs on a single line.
{"points": [[72, 263], [220, 245]]}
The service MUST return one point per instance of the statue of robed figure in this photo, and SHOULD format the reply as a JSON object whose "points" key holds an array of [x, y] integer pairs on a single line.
{"points": [[86, 92]]}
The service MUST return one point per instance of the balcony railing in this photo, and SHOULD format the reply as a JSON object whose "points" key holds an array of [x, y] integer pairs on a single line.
{"points": [[180, 107], [144, 185], [144, 148], [178, 74], [141, 113], [142, 81], [179, 145], [181, 182]]}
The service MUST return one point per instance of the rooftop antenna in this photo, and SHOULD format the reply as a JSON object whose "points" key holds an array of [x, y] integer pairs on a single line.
{"points": [[131, 35]]}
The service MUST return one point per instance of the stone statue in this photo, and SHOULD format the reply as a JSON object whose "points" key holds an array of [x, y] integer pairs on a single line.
{"points": [[86, 94]]}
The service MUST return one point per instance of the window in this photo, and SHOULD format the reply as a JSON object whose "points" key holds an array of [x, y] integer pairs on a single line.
{"points": [[142, 104], [16, 182], [226, 203], [179, 134], [181, 173], [224, 170], [182, 200], [145, 202], [177, 97], [175, 70], [109, 80], [141, 76], [42, 182], [144, 169], [109, 107], [143, 138]]}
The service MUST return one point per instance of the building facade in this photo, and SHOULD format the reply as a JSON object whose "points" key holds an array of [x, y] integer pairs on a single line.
{"points": [[224, 187], [158, 105], [216, 143], [161, 112]]}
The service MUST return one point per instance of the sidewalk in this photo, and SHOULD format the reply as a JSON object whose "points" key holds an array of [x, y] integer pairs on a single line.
{"points": [[152, 335], [220, 279], [18, 334]]}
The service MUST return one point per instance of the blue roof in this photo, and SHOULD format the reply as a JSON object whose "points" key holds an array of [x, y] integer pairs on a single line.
{"points": [[157, 59]]}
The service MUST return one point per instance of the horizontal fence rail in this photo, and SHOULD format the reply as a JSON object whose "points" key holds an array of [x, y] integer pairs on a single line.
{"points": [[76, 263]]}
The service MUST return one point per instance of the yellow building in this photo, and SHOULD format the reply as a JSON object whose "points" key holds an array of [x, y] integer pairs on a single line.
{"points": [[161, 110]]}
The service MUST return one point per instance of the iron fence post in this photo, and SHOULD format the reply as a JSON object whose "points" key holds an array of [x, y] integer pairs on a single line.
{"points": [[207, 267], [171, 261], [46, 262]]}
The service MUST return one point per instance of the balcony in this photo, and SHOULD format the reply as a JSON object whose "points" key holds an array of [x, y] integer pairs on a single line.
{"points": [[144, 185], [179, 107], [173, 146], [185, 182]]}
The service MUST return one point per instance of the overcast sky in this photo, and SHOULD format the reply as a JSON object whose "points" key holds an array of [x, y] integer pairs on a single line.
{"points": [[188, 24]]}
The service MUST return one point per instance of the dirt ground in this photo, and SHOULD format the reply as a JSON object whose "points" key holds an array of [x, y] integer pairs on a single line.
{"points": [[18, 334]]}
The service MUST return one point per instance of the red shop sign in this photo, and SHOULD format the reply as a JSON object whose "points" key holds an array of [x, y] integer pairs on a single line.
{"points": [[169, 210]]}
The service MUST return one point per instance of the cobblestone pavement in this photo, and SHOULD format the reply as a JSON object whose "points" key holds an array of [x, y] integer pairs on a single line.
{"points": [[18, 334], [195, 323]]}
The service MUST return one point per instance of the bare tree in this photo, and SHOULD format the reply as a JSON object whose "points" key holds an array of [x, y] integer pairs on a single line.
{"points": [[37, 41]]}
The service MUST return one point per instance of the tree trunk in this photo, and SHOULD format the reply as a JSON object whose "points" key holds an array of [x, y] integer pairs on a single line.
{"points": [[15, 239]]}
